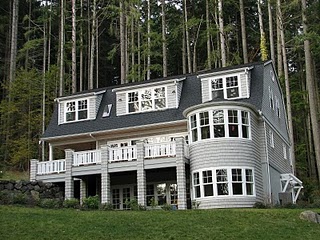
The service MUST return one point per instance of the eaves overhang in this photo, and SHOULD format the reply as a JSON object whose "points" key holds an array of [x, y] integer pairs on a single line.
{"points": [[218, 104], [225, 72], [82, 95], [97, 134]]}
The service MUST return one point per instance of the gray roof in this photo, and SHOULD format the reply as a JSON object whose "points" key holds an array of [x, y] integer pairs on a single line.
{"points": [[191, 96]]}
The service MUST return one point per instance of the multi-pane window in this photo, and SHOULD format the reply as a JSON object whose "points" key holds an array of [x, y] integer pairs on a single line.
{"points": [[232, 87], [126, 197], [277, 107], [219, 123], [174, 193], [271, 138], [116, 198], [284, 151], [233, 125], [223, 182], [196, 185], [249, 182], [76, 110], [237, 181], [217, 88], [146, 99], [150, 194], [162, 193], [271, 98], [204, 125], [225, 87], [207, 183], [194, 129]]}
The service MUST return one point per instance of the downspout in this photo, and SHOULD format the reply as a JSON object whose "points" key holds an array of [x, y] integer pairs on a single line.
{"points": [[267, 158]]}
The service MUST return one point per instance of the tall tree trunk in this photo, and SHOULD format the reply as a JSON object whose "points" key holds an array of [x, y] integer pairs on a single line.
{"points": [[92, 45], [74, 47], [243, 33], [279, 49], [311, 90], [26, 65], [61, 59], [44, 88], [221, 34], [208, 35], [122, 43], [49, 35], [164, 40], [97, 52], [14, 38], [271, 32], [195, 47], [81, 48], [183, 49], [148, 41], [133, 70], [187, 36], [263, 46], [287, 84]]}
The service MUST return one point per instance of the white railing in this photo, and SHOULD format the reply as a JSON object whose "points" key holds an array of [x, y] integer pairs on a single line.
{"points": [[128, 153], [48, 167], [164, 149], [86, 158]]}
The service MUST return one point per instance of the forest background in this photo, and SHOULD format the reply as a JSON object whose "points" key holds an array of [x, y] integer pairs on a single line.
{"points": [[51, 48]]}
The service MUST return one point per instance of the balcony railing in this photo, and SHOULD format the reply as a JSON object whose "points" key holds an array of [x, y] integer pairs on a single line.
{"points": [[56, 166], [86, 158], [128, 153], [164, 149]]}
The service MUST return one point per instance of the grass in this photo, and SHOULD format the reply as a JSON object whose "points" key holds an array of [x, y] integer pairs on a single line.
{"points": [[35, 223], [14, 175]]}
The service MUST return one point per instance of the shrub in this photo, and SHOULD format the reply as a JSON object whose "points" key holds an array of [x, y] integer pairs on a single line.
{"points": [[166, 207], [6, 197], [20, 198], [261, 205], [195, 204], [153, 202], [133, 205], [50, 203], [91, 202], [71, 203], [106, 207]]}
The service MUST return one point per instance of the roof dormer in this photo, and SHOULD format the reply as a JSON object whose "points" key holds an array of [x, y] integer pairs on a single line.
{"points": [[226, 85], [148, 96], [80, 107]]}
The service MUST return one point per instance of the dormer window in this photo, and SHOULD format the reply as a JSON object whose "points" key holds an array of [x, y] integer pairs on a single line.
{"points": [[226, 87], [149, 99], [76, 110]]}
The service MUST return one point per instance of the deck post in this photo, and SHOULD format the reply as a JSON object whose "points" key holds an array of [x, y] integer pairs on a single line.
{"points": [[83, 189], [181, 174], [141, 174], [69, 182], [105, 176], [33, 169]]}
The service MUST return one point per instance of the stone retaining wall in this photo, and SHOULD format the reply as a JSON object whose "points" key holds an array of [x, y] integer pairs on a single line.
{"points": [[31, 191]]}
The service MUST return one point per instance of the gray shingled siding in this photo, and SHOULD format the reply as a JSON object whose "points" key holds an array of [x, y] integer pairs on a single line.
{"points": [[92, 108], [276, 156], [179, 91], [230, 153], [205, 90], [33, 169], [171, 96], [105, 176], [69, 186], [275, 185], [83, 190], [141, 175], [61, 113], [121, 104], [244, 85], [181, 174], [98, 101], [269, 113]]}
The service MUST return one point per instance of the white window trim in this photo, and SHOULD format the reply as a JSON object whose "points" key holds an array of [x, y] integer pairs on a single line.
{"points": [[226, 124], [141, 90], [76, 110], [224, 84], [271, 138], [229, 176], [271, 99], [285, 154], [277, 107]]}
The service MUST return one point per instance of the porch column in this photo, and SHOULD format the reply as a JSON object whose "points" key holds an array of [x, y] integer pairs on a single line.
{"points": [[181, 174], [69, 182], [83, 190], [105, 176], [141, 174], [50, 152], [33, 169]]}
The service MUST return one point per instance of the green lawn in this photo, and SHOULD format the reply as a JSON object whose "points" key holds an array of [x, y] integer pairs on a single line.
{"points": [[35, 223]]}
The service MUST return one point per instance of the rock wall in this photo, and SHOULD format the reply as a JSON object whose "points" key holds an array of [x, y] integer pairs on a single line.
{"points": [[28, 191]]}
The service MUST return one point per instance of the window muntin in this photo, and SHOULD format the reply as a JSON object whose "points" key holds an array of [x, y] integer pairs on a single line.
{"points": [[146, 99], [227, 87], [76, 110], [207, 183], [222, 182], [225, 181], [219, 124]]}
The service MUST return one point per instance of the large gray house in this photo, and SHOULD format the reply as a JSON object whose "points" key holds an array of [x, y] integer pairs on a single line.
{"points": [[218, 138]]}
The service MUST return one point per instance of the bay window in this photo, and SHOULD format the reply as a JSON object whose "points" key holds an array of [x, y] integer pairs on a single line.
{"points": [[219, 124], [225, 181]]}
